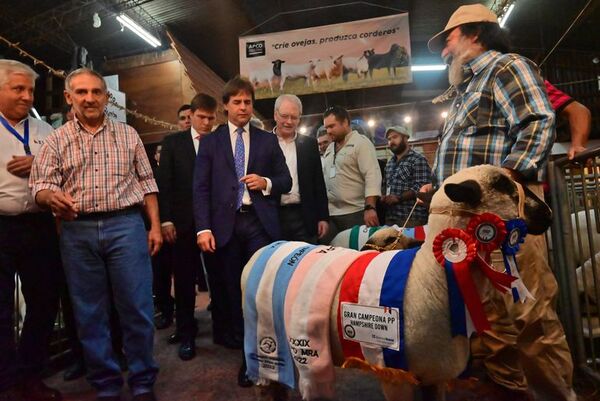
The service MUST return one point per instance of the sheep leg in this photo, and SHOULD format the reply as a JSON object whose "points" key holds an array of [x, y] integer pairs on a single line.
{"points": [[433, 393], [398, 391], [282, 82], [272, 392]]}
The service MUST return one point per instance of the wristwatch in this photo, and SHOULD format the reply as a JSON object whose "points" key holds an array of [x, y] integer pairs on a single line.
{"points": [[369, 207]]}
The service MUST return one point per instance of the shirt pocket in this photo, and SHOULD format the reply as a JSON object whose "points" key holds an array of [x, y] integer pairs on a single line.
{"points": [[121, 159], [477, 113]]}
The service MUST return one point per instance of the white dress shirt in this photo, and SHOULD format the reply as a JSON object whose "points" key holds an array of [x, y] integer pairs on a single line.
{"points": [[15, 196], [246, 200], [195, 139], [288, 147]]}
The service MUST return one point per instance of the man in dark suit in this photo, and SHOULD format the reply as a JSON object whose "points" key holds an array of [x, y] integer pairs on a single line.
{"points": [[239, 177], [304, 212], [175, 184]]}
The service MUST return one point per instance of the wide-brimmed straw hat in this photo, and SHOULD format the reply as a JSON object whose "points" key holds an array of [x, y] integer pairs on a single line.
{"points": [[463, 15]]}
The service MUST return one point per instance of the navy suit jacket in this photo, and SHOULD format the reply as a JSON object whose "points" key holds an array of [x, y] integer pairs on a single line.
{"points": [[216, 183]]}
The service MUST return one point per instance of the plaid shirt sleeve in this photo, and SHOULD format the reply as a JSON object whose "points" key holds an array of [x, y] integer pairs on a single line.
{"points": [[45, 172], [143, 169], [520, 94]]}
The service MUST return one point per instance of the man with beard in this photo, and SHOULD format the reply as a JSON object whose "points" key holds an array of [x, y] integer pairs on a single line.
{"points": [[500, 115], [352, 175], [405, 173]]}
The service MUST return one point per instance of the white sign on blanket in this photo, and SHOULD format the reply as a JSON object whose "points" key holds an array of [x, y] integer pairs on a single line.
{"points": [[377, 325]]}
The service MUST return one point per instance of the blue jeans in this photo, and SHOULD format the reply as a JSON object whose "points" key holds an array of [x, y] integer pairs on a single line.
{"points": [[102, 251]]}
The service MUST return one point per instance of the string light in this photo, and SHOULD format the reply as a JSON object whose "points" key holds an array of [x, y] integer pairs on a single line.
{"points": [[62, 74]]}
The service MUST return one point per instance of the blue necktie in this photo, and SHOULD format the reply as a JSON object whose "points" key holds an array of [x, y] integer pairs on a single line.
{"points": [[239, 164]]}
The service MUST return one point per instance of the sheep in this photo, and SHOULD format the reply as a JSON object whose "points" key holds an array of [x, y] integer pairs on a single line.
{"points": [[357, 236], [293, 71], [433, 355], [327, 68], [260, 78], [357, 65], [385, 60]]}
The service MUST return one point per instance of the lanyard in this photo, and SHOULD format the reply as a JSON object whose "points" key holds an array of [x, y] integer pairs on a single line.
{"points": [[23, 139]]}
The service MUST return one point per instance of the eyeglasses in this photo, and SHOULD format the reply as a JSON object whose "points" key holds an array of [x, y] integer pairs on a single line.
{"points": [[289, 117], [181, 118]]}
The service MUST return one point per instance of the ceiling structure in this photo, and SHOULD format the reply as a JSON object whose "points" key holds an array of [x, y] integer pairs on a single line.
{"points": [[52, 30]]}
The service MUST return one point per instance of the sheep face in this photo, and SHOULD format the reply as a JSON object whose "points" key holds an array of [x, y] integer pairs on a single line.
{"points": [[489, 189]]}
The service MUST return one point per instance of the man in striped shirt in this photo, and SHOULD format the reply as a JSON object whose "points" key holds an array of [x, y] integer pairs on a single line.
{"points": [[93, 173], [500, 115]]}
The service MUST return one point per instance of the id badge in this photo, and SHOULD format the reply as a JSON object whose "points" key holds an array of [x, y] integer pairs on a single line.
{"points": [[332, 172]]}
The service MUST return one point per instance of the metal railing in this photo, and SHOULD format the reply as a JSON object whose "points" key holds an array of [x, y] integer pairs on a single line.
{"points": [[575, 200]]}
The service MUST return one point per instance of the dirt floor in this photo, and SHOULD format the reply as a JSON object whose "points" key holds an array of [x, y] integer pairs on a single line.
{"points": [[211, 376]]}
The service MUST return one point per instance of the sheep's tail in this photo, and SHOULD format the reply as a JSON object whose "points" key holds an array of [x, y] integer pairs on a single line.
{"points": [[391, 375]]}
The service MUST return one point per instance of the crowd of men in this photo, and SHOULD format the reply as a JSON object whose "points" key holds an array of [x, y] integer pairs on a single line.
{"points": [[73, 200]]}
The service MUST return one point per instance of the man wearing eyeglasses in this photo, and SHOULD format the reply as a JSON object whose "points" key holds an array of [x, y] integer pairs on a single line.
{"points": [[352, 175], [184, 117], [303, 213]]}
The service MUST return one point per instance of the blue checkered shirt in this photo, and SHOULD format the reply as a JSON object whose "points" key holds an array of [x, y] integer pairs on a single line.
{"points": [[500, 116], [411, 172]]}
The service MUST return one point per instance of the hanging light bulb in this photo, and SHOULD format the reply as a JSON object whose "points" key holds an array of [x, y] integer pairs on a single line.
{"points": [[97, 22]]}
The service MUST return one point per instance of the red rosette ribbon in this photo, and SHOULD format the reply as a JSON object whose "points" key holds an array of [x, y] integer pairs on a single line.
{"points": [[489, 231], [454, 249]]}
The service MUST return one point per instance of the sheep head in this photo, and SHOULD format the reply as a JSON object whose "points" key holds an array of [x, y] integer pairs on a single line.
{"points": [[389, 239], [487, 188]]}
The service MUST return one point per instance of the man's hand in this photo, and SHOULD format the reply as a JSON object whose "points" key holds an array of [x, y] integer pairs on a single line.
{"points": [[154, 240], [169, 233], [20, 166], [254, 182], [322, 228], [62, 205], [424, 191], [574, 150], [390, 200], [206, 242], [371, 219]]}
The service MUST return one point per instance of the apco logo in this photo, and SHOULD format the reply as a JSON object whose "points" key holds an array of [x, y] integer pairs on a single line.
{"points": [[255, 49]]}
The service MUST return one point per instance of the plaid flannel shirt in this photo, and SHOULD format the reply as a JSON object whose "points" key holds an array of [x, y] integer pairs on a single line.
{"points": [[500, 116], [105, 171], [411, 172]]}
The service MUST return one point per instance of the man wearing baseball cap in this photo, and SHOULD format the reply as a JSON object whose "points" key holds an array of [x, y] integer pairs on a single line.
{"points": [[500, 115], [405, 173]]}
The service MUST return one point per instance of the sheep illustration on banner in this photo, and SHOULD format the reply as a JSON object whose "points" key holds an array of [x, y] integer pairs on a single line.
{"points": [[352, 55]]}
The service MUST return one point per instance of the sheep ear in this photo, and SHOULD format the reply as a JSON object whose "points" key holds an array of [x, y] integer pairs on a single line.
{"points": [[538, 216], [468, 192]]}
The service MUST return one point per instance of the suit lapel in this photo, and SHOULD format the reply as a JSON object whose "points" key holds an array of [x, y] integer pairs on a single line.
{"points": [[254, 148], [190, 151], [224, 142], [300, 161]]}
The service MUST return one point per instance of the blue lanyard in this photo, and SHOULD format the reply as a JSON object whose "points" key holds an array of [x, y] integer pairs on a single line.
{"points": [[23, 139]]}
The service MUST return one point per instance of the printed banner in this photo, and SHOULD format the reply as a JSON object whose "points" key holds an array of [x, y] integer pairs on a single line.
{"points": [[371, 325], [358, 54]]}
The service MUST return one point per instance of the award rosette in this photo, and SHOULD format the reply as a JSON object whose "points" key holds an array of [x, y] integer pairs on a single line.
{"points": [[489, 231], [517, 230], [454, 249]]}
